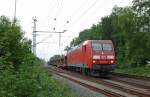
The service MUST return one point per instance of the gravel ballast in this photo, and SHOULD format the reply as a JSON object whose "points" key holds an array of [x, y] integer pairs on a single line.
{"points": [[78, 89]]}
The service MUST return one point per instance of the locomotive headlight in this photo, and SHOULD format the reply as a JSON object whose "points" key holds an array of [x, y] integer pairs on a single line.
{"points": [[96, 57], [111, 61], [110, 57], [94, 61]]}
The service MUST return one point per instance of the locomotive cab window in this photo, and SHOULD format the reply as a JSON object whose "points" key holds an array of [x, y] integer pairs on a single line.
{"points": [[96, 46], [99, 46], [107, 47]]}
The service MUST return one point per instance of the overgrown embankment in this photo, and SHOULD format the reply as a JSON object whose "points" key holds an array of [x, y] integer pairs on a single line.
{"points": [[141, 71], [22, 73]]}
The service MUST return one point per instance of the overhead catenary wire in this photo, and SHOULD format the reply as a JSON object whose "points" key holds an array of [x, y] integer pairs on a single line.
{"points": [[53, 5], [59, 8], [85, 12], [75, 21], [43, 39], [90, 7], [58, 11], [74, 13], [59, 5], [47, 36], [47, 50]]}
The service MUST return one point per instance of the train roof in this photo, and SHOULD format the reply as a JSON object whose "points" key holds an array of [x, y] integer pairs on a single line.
{"points": [[101, 41], [85, 42]]}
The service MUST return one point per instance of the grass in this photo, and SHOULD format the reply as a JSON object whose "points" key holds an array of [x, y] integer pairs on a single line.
{"points": [[60, 89], [141, 71]]}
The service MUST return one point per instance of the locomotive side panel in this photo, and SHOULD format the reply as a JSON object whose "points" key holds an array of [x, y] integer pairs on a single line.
{"points": [[75, 57], [87, 55]]}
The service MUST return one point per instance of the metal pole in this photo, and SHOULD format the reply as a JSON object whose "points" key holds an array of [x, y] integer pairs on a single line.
{"points": [[34, 35], [15, 11], [59, 39]]}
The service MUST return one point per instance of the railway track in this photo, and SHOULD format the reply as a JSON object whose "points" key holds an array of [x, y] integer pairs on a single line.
{"points": [[109, 87], [130, 76], [139, 81]]}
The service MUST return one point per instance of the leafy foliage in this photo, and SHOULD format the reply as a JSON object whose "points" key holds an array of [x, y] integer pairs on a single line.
{"points": [[129, 29], [21, 73], [141, 71]]}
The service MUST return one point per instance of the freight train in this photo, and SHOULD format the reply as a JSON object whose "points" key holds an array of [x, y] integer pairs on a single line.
{"points": [[57, 60], [92, 57]]}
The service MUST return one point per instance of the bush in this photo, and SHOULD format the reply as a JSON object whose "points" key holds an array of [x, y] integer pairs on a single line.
{"points": [[141, 71], [22, 73]]}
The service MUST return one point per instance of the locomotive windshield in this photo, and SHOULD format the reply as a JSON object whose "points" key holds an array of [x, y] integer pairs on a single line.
{"points": [[99, 46], [107, 47]]}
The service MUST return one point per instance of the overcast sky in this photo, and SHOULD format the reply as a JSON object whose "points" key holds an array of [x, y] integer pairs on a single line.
{"points": [[81, 14]]}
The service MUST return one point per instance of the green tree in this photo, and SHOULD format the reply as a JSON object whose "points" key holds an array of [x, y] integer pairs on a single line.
{"points": [[128, 28], [21, 73], [107, 28], [142, 10], [67, 48]]}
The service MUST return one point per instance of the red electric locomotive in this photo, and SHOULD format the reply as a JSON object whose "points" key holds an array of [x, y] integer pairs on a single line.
{"points": [[92, 57]]}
